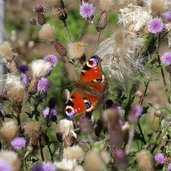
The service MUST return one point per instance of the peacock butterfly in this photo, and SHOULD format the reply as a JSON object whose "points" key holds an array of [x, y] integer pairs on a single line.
{"points": [[88, 91]]}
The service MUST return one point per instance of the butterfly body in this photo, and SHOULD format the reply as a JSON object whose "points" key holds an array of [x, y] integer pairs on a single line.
{"points": [[88, 91]]}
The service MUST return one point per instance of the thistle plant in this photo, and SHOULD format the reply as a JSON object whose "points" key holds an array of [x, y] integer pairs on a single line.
{"points": [[130, 128]]}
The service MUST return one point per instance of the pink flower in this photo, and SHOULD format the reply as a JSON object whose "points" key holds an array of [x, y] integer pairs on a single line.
{"points": [[167, 15], [43, 85], [160, 158], [52, 59], [166, 58], [155, 26], [18, 143], [87, 10]]}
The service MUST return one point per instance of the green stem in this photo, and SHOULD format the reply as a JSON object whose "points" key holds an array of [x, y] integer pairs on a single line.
{"points": [[83, 30]]}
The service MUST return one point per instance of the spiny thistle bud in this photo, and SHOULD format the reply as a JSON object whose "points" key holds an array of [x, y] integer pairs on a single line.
{"points": [[76, 50], [9, 130], [102, 21], [59, 47], [137, 98], [39, 10], [145, 160], [12, 159], [120, 157], [73, 153], [34, 131], [156, 121], [6, 51], [59, 11], [46, 32], [125, 130], [32, 21]]}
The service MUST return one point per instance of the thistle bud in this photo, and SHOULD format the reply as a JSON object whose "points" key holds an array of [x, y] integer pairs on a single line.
{"points": [[39, 10], [9, 130], [102, 21], [59, 10], [32, 88], [32, 21], [145, 160], [59, 47], [156, 120]]}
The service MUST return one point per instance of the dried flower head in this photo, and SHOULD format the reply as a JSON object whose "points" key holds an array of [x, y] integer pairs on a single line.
{"points": [[9, 130], [12, 158], [18, 143], [40, 68], [134, 17], [5, 166], [117, 54], [14, 89], [46, 32], [65, 126], [6, 51], [33, 130], [145, 160], [157, 7], [73, 153], [87, 10], [160, 158], [168, 28], [66, 164], [52, 59], [76, 49], [106, 5], [155, 26], [105, 156], [93, 162]]}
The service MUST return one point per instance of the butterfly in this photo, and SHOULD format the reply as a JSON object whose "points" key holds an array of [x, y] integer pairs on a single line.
{"points": [[88, 91]]}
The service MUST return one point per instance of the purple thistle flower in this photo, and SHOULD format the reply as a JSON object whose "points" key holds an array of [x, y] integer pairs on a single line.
{"points": [[5, 166], [87, 10], [169, 167], [166, 58], [160, 158], [18, 143], [135, 113], [52, 59], [45, 166], [39, 8], [51, 113], [24, 79], [167, 15], [155, 26], [23, 68], [43, 85]]}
